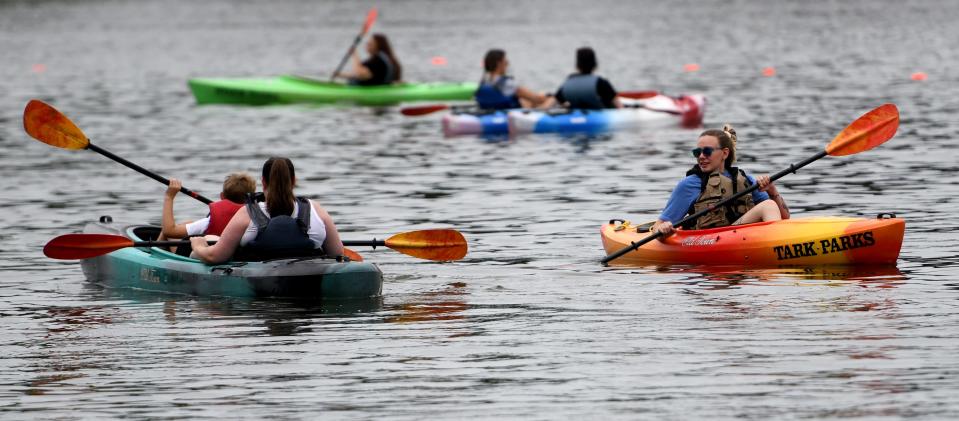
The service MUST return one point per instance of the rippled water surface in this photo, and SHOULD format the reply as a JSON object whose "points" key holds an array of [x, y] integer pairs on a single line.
{"points": [[529, 325]]}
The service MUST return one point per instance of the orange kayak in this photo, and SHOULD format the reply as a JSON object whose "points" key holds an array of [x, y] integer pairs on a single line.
{"points": [[800, 241]]}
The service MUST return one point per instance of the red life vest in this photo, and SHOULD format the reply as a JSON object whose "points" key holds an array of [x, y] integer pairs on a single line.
{"points": [[221, 212]]}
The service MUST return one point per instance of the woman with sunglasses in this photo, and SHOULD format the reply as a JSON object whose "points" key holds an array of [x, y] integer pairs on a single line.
{"points": [[713, 179]]}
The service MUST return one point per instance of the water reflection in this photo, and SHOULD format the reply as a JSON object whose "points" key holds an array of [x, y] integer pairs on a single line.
{"points": [[725, 277], [279, 317], [443, 305]]}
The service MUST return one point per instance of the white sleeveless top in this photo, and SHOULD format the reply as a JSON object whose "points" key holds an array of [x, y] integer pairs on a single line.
{"points": [[317, 231]]}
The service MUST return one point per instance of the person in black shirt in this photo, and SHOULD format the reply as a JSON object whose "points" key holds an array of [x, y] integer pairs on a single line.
{"points": [[381, 68], [584, 90]]}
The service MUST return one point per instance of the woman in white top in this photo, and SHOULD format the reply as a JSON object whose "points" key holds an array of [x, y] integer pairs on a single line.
{"points": [[281, 233]]}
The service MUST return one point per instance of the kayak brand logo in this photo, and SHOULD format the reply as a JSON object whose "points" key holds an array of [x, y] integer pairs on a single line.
{"points": [[699, 240], [150, 275], [824, 247]]}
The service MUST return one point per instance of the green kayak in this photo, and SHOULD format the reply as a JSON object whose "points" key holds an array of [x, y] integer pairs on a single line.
{"points": [[295, 89], [155, 269]]}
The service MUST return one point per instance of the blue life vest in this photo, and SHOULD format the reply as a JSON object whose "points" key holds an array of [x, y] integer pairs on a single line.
{"points": [[580, 92], [490, 95], [280, 235]]}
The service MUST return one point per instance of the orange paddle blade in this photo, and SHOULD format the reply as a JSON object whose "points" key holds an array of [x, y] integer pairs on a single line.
{"points": [[84, 246], [437, 244], [423, 109], [370, 18], [638, 94], [867, 132], [354, 256], [46, 124]]}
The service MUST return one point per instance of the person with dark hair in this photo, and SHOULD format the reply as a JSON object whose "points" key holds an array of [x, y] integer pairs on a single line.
{"points": [[276, 224], [382, 68], [713, 179], [498, 91], [584, 90]]}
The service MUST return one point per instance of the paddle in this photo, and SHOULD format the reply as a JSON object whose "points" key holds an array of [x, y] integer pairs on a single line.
{"points": [[871, 130], [46, 124], [437, 244], [432, 108], [370, 18]]}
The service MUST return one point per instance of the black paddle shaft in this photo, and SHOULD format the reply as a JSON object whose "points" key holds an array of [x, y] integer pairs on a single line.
{"points": [[347, 56], [637, 244], [363, 243], [146, 172]]}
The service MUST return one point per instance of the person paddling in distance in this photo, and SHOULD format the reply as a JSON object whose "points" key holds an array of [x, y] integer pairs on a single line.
{"points": [[714, 178], [382, 68], [281, 225], [584, 90], [236, 187], [499, 91]]}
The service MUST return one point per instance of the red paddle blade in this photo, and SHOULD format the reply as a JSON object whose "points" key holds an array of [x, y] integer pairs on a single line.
{"points": [[46, 124], [638, 94], [84, 246], [370, 18], [423, 109], [872, 129]]}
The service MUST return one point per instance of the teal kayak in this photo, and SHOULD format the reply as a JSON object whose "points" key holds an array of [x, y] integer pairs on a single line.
{"points": [[156, 269], [295, 89]]}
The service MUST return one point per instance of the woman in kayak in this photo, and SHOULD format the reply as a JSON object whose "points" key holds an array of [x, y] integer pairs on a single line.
{"points": [[714, 178], [583, 89], [498, 91], [282, 225], [382, 68]]}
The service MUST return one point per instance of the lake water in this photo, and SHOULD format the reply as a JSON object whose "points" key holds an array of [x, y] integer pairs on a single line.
{"points": [[528, 325]]}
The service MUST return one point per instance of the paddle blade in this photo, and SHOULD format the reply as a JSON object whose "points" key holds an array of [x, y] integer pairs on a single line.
{"points": [[871, 130], [84, 246], [46, 124], [638, 94], [354, 256], [438, 244], [370, 18], [423, 109]]}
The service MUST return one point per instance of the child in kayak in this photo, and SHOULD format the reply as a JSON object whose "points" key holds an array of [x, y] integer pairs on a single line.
{"points": [[236, 187], [382, 68], [498, 91], [584, 90], [282, 225], [714, 178]]}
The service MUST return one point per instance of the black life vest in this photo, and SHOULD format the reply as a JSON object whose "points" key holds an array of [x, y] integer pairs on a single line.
{"points": [[580, 91], [281, 235]]}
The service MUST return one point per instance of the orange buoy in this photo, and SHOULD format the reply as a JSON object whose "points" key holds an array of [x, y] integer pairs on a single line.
{"points": [[691, 67], [438, 61], [39, 68], [919, 76], [769, 71]]}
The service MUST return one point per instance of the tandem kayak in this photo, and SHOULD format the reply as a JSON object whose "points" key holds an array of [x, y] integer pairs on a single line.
{"points": [[294, 89], [156, 269], [657, 111], [801, 241]]}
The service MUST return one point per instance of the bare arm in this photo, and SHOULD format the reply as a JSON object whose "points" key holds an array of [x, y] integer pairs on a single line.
{"points": [[332, 246], [535, 98], [170, 228], [227, 244], [770, 188]]}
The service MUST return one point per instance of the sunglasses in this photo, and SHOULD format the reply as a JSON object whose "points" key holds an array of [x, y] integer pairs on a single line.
{"points": [[707, 151]]}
